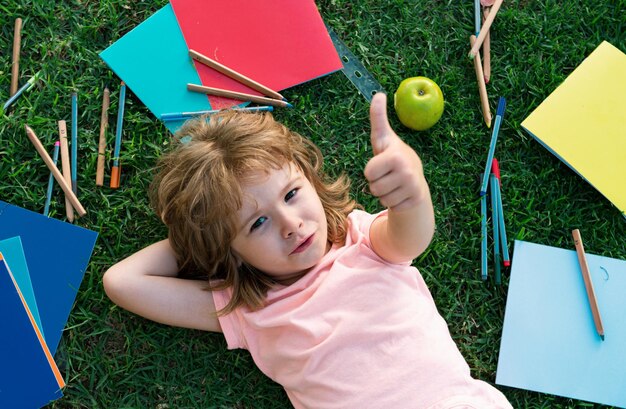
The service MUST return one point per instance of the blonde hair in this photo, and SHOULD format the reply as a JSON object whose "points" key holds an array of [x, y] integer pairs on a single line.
{"points": [[197, 192]]}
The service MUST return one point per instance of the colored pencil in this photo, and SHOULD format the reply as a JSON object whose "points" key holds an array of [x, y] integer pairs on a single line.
{"points": [[495, 169], [591, 294], [177, 116], [494, 222], [476, 17], [483, 241], [235, 75], [237, 95], [485, 28], [55, 158], [15, 65], [102, 143], [482, 88], [66, 167], [116, 170], [67, 189], [74, 142], [492, 145], [20, 91], [487, 50]]}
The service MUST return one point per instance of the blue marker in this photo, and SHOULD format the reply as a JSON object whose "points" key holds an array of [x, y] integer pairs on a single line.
{"points": [[115, 170], [74, 142], [492, 145], [495, 222], [55, 158], [483, 242]]}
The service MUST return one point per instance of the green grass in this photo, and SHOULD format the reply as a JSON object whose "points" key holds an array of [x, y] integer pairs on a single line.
{"points": [[113, 359]]}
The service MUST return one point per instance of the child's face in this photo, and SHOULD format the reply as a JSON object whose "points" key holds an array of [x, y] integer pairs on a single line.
{"points": [[282, 224]]}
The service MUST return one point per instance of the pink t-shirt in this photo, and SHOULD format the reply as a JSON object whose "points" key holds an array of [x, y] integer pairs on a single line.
{"points": [[357, 332]]}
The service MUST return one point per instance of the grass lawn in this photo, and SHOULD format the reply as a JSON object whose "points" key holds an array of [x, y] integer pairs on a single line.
{"points": [[113, 359]]}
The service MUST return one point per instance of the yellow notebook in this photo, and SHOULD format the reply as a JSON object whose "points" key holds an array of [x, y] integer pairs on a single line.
{"points": [[583, 122]]}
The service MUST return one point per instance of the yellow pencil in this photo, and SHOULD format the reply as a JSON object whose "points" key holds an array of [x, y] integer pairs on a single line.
{"points": [[66, 167]]}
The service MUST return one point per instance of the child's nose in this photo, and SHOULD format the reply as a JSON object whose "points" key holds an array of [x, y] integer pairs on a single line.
{"points": [[291, 223]]}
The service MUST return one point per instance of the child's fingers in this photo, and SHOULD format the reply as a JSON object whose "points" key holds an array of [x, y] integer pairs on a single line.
{"points": [[381, 130]]}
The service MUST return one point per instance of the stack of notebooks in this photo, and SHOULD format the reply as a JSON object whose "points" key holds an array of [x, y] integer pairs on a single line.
{"points": [[279, 46], [42, 264]]}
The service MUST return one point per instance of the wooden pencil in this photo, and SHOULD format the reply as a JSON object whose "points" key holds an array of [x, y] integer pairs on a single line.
{"points": [[235, 75], [485, 28], [67, 189], [102, 143], [591, 294], [67, 169], [237, 95], [15, 66], [487, 50], [482, 88]]}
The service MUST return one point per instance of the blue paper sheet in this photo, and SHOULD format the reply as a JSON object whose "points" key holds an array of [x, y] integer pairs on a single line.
{"points": [[14, 257], [153, 61], [57, 254], [27, 373], [549, 341]]}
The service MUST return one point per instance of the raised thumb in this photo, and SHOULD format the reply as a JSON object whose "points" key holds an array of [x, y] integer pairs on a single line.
{"points": [[381, 130]]}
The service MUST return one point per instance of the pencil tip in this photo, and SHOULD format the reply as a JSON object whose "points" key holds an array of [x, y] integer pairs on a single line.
{"points": [[507, 264], [602, 337], [289, 105]]}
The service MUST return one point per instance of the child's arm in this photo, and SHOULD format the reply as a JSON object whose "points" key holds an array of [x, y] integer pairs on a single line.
{"points": [[146, 284], [396, 177]]}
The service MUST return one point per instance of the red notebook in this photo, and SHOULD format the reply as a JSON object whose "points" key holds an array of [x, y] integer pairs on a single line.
{"points": [[279, 43]]}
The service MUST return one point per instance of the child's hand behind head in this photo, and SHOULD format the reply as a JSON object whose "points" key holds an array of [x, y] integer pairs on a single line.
{"points": [[395, 173]]}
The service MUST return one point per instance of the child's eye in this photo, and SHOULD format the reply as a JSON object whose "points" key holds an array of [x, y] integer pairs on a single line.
{"points": [[258, 223], [290, 195]]}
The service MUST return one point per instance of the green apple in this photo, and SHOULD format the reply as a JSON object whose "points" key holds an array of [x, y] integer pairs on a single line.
{"points": [[418, 102]]}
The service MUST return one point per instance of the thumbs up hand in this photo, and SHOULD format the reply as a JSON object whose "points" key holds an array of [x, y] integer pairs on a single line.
{"points": [[395, 173]]}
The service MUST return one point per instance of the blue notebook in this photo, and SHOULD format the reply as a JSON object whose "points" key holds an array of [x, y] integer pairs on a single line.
{"points": [[29, 378], [57, 254], [549, 341]]}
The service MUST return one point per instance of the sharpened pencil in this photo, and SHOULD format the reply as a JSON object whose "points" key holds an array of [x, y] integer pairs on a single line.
{"points": [[67, 189], [229, 72], [238, 95], [591, 294]]}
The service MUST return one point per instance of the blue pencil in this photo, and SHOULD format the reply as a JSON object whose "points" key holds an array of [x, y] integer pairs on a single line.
{"points": [[483, 244], [74, 142], [177, 116], [477, 16], [492, 145], [495, 223], [115, 171], [55, 158], [20, 91]]}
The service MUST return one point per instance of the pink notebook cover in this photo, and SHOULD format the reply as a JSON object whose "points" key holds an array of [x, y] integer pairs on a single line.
{"points": [[278, 43]]}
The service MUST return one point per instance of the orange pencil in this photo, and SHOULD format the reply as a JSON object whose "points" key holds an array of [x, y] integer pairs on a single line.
{"points": [[482, 88]]}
